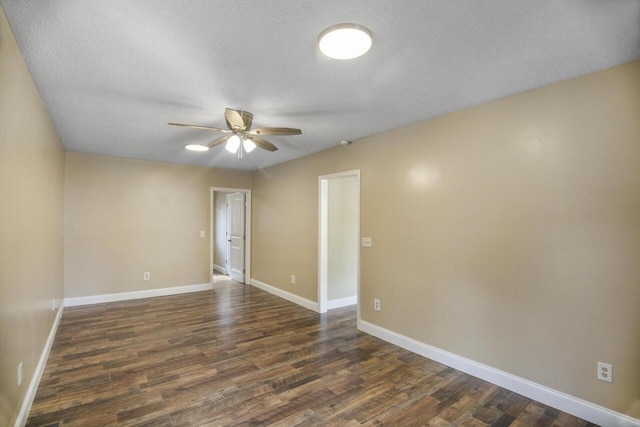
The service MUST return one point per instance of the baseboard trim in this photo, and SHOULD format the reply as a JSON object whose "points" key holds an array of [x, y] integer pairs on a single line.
{"points": [[296, 299], [556, 399], [25, 408], [342, 302], [220, 268], [124, 296]]}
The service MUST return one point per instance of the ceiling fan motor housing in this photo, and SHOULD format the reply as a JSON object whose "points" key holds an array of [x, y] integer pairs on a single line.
{"points": [[247, 119]]}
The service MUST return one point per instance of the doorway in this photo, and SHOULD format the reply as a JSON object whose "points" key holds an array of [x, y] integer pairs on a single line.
{"points": [[339, 235], [230, 233]]}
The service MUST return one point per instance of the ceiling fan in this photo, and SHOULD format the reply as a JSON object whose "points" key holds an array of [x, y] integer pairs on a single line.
{"points": [[240, 137]]}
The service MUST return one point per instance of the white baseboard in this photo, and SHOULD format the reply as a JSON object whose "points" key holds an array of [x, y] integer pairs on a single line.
{"points": [[311, 305], [220, 268], [124, 296], [342, 302], [556, 399], [25, 408]]}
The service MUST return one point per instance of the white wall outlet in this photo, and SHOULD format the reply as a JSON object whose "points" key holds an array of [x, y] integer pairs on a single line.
{"points": [[367, 242], [147, 275], [202, 233], [19, 373], [605, 372], [376, 304], [293, 280]]}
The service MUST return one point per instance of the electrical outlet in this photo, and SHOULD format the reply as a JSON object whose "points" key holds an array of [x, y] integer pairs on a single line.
{"points": [[367, 242], [19, 373], [376, 304], [202, 233], [147, 275], [605, 372], [293, 280]]}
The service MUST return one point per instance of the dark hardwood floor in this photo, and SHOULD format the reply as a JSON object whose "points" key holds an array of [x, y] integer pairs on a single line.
{"points": [[239, 356]]}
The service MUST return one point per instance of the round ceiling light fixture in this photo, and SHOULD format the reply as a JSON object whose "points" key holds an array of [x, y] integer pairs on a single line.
{"points": [[196, 147], [345, 41]]}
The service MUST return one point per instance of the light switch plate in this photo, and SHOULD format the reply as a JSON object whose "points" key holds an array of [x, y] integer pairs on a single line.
{"points": [[367, 242]]}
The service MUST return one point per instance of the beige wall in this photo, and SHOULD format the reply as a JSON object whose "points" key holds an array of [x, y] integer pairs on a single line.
{"points": [[284, 225], [124, 217], [508, 233], [31, 212]]}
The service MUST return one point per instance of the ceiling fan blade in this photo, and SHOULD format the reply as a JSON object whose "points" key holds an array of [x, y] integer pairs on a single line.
{"points": [[234, 119], [262, 143], [219, 141], [275, 131], [200, 127]]}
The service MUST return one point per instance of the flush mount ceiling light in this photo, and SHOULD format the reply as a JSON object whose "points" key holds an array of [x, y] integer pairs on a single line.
{"points": [[196, 147], [345, 41]]}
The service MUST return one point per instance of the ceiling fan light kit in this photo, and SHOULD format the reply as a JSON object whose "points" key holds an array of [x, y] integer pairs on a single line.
{"points": [[239, 145], [248, 145], [233, 144], [345, 41]]}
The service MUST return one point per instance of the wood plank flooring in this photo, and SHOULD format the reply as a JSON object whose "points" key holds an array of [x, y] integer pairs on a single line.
{"points": [[239, 356]]}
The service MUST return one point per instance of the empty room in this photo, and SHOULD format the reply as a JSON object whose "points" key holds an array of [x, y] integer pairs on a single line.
{"points": [[336, 213]]}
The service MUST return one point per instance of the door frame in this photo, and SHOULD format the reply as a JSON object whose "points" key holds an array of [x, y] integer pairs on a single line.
{"points": [[247, 225], [323, 247]]}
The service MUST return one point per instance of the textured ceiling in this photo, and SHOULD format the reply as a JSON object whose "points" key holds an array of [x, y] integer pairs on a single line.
{"points": [[113, 73]]}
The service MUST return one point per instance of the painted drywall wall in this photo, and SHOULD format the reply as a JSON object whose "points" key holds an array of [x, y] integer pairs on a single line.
{"points": [[284, 225], [31, 213], [342, 237], [220, 229], [508, 233], [124, 217]]}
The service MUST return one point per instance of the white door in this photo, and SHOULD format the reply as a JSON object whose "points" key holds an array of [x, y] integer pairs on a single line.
{"points": [[235, 236]]}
